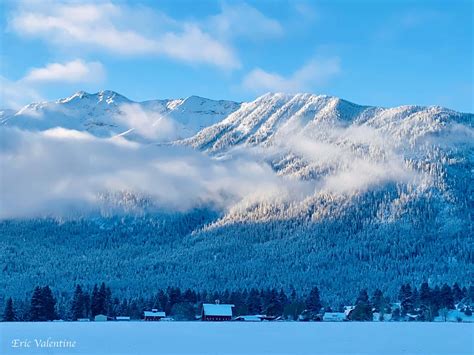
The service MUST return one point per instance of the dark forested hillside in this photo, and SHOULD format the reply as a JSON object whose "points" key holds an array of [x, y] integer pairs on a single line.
{"points": [[140, 255]]}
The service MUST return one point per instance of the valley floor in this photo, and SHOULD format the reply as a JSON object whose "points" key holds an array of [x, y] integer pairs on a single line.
{"points": [[240, 338]]}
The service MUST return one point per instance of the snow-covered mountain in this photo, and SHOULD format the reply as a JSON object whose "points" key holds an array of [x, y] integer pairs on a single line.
{"points": [[346, 151], [108, 113], [276, 115], [285, 190]]}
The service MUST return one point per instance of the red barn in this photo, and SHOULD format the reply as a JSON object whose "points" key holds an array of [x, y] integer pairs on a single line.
{"points": [[154, 315], [216, 312]]}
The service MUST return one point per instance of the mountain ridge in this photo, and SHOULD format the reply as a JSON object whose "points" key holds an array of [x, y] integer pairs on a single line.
{"points": [[108, 113], [297, 190]]}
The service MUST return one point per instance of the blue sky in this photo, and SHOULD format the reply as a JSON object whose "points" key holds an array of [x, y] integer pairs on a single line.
{"points": [[385, 53]]}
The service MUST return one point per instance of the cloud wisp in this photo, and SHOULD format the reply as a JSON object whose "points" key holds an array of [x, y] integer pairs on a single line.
{"points": [[149, 125], [347, 160], [313, 74], [243, 20], [75, 71], [15, 94], [56, 171]]}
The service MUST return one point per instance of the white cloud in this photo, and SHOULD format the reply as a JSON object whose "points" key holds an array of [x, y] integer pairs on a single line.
{"points": [[353, 158], [315, 73], [59, 170], [148, 124], [194, 45], [15, 94], [76, 71], [118, 29], [243, 20]]}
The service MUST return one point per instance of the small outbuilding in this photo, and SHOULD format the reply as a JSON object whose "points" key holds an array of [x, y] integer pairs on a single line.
{"points": [[249, 318], [216, 312], [100, 318], [122, 318], [154, 315], [334, 317]]}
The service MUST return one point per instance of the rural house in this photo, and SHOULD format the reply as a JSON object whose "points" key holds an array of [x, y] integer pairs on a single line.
{"points": [[154, 315], [216, 312]]}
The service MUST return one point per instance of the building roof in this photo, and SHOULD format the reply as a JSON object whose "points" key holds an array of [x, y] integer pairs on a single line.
{"points": [[154, 314], [334, 316], [217, 309], [250, 318]]}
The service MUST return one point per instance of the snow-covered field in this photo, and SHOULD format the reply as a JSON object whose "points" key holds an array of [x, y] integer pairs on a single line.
{"points": [[240, 338]]}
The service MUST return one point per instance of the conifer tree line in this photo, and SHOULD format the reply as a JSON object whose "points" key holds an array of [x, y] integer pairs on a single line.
{"points": [[424, 302], [341, 255]]}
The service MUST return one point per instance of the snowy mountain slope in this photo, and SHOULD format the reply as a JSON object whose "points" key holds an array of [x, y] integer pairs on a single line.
{"points": [[277, 114], [108, 113], [347, 151]]}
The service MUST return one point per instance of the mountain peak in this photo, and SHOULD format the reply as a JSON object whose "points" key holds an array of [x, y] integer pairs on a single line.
{"points": [[77, 95], [107, 96]]}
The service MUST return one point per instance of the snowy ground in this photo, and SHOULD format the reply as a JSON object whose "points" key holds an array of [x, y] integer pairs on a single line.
{"points": [[241, 338]]}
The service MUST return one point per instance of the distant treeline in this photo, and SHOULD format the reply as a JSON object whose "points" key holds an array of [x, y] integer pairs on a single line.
{"points": [[425, 302], [341, 254]]}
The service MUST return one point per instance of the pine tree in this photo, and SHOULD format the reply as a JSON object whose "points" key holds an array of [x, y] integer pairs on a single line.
{"points": [[95, 306], [189, 296], [174, 296], [406, 299], [102, 299], [124, 307], [446, 297], [458, 294], [293, 296], [36, 309], [162, 300], [108, 303], [273, 305], [49, 303], [42, 305], [378, 301], [9, 314], [313, 302], [282, 299], [99, 300], [425, 294], [415, 298], [435, 299], [253, 302], [426, 302], [363, 308], [87, 304], [77, 306]]}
